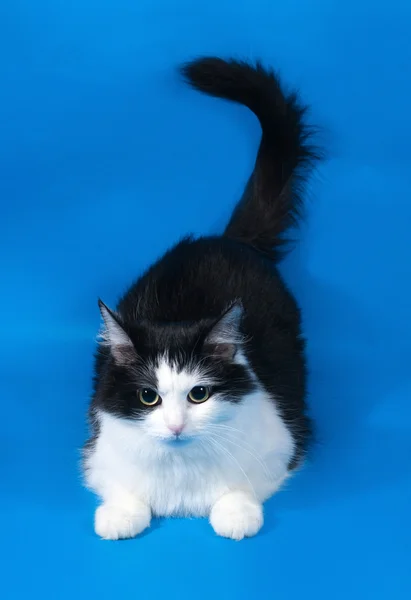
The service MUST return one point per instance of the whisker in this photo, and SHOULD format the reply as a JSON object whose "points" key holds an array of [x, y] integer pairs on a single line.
{"points": [[228, 427], [233, 431], [228, 453], [257, 458]]}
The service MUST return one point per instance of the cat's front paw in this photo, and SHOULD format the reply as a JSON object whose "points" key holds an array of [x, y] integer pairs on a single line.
{"points": [[114, 522], [236, 515]]}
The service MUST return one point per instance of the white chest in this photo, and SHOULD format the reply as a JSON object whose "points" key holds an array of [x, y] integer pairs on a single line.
{"points": [[250, 455]]}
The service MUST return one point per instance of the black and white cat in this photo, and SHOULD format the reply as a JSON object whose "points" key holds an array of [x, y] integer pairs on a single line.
{"points": [[199, 402]]}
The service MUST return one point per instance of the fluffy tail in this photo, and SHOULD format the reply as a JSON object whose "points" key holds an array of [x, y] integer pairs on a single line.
{"points": [[271, 203]]}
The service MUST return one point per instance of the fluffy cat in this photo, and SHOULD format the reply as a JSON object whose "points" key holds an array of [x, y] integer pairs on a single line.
{"points": [[199, 397]]}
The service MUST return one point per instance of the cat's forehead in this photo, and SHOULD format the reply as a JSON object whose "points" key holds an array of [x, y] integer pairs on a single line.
{"points": [[174, 378]]}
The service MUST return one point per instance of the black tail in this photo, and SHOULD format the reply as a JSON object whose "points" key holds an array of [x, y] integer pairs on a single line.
{"points": [[271, 203]]}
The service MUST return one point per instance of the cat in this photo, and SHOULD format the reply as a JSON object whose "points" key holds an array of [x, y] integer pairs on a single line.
{"points": [[199, 405]]}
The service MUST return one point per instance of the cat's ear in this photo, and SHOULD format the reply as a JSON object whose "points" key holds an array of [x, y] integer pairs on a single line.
{"points": [[225, 336], [115, 337]]}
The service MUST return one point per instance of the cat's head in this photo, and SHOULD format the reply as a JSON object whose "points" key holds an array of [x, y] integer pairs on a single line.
{"points": [[175, 381]]}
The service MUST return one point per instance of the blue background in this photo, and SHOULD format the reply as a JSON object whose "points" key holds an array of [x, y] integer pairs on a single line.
{"points": [[106, 159]]}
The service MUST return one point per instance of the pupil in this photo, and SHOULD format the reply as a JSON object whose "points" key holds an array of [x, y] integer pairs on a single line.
{"points": [[198, 393], [149, 395]]}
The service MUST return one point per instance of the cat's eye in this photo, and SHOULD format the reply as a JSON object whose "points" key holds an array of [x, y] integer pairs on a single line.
{"points": [[149, 397], [199, 394]]}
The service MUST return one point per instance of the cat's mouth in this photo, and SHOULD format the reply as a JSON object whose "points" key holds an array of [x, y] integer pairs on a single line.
{"points": [[178, 441]]}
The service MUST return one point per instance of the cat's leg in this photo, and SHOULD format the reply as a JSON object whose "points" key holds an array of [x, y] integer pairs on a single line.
{"points": [[236, 515], [121, 514], [111, 475]]}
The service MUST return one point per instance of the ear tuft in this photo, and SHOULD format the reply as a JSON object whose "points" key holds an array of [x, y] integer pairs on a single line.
{"points": [[115, 337], [225, 336]]}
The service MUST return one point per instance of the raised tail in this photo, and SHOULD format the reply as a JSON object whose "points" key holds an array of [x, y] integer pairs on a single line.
{"points": [[271, 203]]}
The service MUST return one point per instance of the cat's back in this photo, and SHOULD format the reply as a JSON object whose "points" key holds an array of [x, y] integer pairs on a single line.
{"points": [[199, 278]]}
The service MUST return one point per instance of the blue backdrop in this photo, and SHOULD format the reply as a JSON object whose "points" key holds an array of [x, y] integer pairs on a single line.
{"points": [[106, 159]]}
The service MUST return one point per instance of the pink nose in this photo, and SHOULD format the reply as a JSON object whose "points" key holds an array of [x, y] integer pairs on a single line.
{"points": [[176, 429]]}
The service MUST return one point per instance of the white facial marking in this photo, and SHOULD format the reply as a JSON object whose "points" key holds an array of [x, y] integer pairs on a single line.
{"points": [[176, 415]]}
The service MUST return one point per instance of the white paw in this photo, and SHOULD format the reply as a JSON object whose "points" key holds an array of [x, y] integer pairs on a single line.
{"points": [[236, 515], [114, 522]]}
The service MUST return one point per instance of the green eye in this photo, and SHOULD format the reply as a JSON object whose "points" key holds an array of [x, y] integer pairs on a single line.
{"points": [[149, 397], [199, 394]]}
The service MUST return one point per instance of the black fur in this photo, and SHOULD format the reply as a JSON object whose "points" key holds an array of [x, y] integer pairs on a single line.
{"points": [[176, 304], [271, 203]]}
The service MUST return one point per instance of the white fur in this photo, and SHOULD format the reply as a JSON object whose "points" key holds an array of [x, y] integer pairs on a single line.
{"points": [[230, 459], [236, 515], [115, 521]]}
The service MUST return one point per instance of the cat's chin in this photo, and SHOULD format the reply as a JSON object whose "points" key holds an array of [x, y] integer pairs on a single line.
{"points": [[177, 442]]}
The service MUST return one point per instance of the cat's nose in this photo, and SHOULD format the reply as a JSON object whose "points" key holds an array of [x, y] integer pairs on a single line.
{"points": [[176, 429]]}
